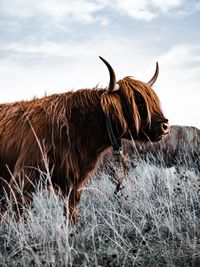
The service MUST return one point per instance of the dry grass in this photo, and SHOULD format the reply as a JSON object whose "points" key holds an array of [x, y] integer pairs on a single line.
{"points": [[154, 221]]}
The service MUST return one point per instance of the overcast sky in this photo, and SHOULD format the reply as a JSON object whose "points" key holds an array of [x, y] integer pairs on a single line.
{"points": [[49, 46]]}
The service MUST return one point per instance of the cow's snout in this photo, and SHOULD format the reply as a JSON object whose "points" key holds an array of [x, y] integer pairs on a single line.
{"points": [[165, 128]]}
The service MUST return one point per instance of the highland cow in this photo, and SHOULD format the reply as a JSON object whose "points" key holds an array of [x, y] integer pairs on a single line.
{"points": [[65, 134]]}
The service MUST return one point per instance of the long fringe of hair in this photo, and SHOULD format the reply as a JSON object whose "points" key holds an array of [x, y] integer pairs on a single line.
{"points": [[134, 93]]}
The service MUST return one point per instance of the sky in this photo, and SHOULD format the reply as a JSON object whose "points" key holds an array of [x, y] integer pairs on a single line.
{"points": [[52, 46]]}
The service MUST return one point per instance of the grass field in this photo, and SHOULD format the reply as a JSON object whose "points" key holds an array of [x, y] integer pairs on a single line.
{"points": [[153, 221]]}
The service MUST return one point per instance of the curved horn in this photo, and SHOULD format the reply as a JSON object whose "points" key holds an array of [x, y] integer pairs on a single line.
{"points": [[155, 76], [112, 85]]}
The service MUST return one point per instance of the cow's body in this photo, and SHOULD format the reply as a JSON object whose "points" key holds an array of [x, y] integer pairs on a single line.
{"points": [[53, 134], [63, 135]]}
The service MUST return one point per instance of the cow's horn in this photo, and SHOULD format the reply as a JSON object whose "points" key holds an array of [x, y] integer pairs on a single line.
{"points": [[155, 76], [113, 86]]}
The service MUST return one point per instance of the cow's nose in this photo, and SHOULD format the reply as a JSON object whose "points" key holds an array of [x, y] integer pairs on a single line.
{"points": [[165, 128]]}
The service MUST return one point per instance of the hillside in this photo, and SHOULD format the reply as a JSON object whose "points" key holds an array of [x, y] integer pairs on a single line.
{"points": [[180, 147]]}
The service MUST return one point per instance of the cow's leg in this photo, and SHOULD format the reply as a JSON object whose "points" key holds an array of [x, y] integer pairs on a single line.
{"points": [[73, 199]]}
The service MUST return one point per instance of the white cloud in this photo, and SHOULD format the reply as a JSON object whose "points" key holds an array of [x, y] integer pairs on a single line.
{"points": [[83, 10], [144, 9], [189, 8], [165, 6], [55, 49], [79, 10], [137, 9]]}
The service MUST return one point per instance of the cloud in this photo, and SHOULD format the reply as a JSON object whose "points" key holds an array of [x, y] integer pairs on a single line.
{"points": [[135, 9], [79, 10], [49, 50], [146, 9], [189, 8], [85, 10], [165, 6]]}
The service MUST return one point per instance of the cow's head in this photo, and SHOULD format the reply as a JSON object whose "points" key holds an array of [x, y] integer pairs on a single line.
{"points": [[135, 106]]}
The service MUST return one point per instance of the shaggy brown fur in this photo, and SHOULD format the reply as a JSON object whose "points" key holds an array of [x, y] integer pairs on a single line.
{"points": [[64, 134]]}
